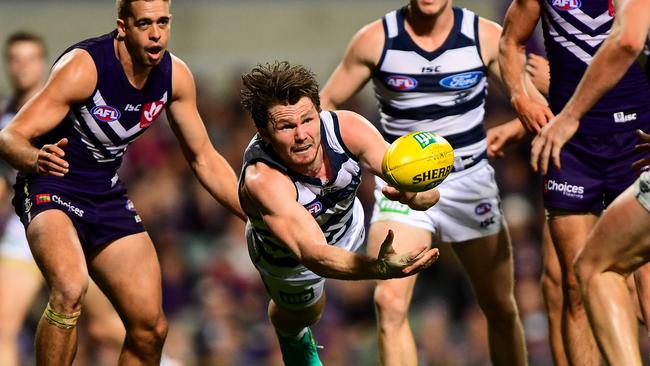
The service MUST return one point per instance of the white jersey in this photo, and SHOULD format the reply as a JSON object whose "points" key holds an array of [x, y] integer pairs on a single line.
{"points": [[441, 91], [333, 204]]}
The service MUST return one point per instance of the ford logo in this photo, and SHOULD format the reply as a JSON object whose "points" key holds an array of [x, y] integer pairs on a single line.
{"points": [[105, 113], [462, 81], [566, 5], [401, 82]]}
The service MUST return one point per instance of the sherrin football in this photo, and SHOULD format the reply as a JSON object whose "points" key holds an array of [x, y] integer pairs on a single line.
{"points": [[417, 162]]}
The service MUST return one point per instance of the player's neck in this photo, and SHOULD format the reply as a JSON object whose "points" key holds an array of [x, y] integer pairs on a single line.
{"points": [[137, 74], [430, 29]]}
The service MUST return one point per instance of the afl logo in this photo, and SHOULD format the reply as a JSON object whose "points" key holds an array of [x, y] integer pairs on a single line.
{"points": [[483, 208], [566, 5], [401, 82], [462, 81], [105, 113], [314, 208]]}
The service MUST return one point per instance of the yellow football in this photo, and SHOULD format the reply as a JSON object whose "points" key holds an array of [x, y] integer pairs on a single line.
{"points": [[417, 162]]}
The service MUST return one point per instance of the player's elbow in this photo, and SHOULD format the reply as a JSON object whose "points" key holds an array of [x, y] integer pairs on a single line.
{"points": [[629, 43]]}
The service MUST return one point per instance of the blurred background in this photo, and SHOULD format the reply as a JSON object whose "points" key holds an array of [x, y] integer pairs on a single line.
{"points": [[213, 297]]}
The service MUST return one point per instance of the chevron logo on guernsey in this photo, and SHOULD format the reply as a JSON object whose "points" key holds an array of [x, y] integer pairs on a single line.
{"points": [[105, 113], [566, 5], [462, 81], [401, 82]]}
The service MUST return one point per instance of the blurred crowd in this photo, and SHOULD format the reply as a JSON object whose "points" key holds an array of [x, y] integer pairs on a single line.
{"points": [[216, 303]]}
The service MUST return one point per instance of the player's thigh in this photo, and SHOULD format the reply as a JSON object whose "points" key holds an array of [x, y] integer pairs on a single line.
{"points": [[619, 241], [57, 251], [568, 233], [489, 265], [552, 268], [128, 272]]}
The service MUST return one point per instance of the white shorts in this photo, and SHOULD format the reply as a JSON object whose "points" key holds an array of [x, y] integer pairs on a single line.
{"points": [[642, 190], [469, 207], [296, 287], [13, 243]]}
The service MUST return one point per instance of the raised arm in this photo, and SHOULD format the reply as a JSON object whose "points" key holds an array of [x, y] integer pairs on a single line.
{"points": [[356, 67], [618, 52], [363, 140], [72, 80], [296, 228], [519, 23], [211, 169]]}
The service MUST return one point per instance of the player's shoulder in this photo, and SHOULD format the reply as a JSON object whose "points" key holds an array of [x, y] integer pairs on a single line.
{"points": [[179, 66], [74, 74], [490, 29], [260, 177], [371, 33]]}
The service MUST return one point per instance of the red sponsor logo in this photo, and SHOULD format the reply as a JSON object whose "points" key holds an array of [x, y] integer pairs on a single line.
{"points": [[43, 198], [150, 112]]}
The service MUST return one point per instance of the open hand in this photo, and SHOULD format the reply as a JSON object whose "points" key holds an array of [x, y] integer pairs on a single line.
{"points": [[393, 265], [50, 159], [500, 136], [549, 142]]}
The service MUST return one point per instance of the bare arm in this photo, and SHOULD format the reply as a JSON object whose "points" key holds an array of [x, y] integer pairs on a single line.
{"points": [[211, 169], [296, 228], [363, 140], [608, 66], [72, 80], [356, 67], [520, 21]]}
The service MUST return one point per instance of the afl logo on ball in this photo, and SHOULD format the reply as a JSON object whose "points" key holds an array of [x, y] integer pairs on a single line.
{"points": [[401, 82], [105, 113]]}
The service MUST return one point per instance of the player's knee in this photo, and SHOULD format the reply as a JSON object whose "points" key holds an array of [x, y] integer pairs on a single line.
{"points": [[583, 272], [499, 308], [552, 290], [68, 297], [392, 305], [148, 335]]}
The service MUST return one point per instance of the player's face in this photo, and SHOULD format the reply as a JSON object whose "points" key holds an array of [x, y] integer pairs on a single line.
{"points": [[25, 64], [430, 7], [146, 31], [294, 133]]}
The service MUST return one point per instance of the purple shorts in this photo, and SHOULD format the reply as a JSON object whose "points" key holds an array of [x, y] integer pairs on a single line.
{"points": [[595, 170], [99, 218]]}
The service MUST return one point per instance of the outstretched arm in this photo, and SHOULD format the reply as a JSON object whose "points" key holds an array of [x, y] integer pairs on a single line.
{"points": [[618, 52], [363, 140], [355, 68], [296, 228], [212, 170], [520, 21]]}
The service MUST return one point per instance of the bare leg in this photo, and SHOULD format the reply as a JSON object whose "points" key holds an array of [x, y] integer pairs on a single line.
{"points": [[20, 282], [642, 283], [393, 297], [552, 289], [57, 251], [488, 264], [569, 232], [617, 246], [103, 323], [128, 272]]}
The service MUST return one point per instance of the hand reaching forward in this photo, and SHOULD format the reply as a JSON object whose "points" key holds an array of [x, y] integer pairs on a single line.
{"points": [[49, 160], [419, 201], [547, 145], [393, 265], [503, 135]]}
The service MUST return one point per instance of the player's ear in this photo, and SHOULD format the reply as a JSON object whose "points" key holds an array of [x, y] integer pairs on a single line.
{"points": [[121, 29], [264, 134]]}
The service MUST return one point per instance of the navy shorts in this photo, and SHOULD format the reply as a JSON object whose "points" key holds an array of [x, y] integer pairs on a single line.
{"points": [[595, 170], [99, 218]]}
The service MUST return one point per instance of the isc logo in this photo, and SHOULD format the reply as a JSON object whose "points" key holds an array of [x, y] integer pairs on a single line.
{"points": [[462, 81], [105, 113], [566, 4], [401, 83]]}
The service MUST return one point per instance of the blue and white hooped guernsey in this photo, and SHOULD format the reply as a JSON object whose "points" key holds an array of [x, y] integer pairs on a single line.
{"points": [[334, 204], [441, 91], [100, 128], [573, 31]]}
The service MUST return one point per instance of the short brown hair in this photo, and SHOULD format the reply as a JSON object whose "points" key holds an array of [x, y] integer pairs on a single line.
{"points": [[25, 36], [276, 83], [123, 7]]}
